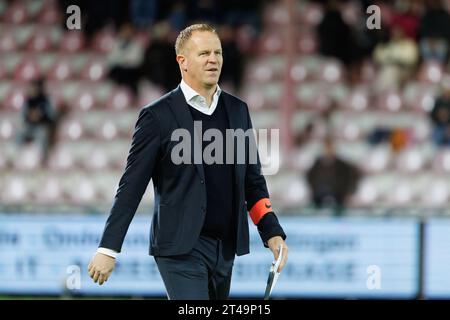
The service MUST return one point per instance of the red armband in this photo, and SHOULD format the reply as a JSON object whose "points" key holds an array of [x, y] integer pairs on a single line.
{"points": [[259, 209]]}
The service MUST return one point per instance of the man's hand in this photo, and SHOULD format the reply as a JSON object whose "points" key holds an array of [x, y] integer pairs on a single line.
{"points": [[100, 267], [274, 245]]}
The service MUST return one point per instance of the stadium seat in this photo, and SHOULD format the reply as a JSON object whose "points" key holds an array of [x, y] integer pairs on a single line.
{"points": [[3, 160], [255, 98], [72, 42], [431, 72], [3, 70], [244, 38], [368, 72], [311, 14], [71, 130], [106, 183], [94, 70], [28, 158], [9, 123], [14, 98], [402, 193], [103, 41], [14, 190], [107, 130], [351, 13], [97, 160], [260, 72], [148, 93], [8, 43], [275, 15], [330, 71], [49, 15], [419, 97], [298, 72], [16, 13], [307, 43], [311, 95], [347, 126], [377, 160], [61, 70], [410, 160], [119, 99], [356, 100], [302, 158], [50, 191], [434, 192], [441, 162], [27, 69], [117, 152], [40, 41], [288, 189], [390, 101], [271, 43], [84, 99], [79, 189], [366, 194], [61, 158], [125, 122]]}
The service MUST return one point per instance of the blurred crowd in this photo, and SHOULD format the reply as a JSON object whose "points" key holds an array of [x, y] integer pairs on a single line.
{"points": [[131, 61], [413, 35]]}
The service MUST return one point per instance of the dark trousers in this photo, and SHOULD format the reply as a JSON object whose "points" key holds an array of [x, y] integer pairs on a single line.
{"points": [[202, 274]]}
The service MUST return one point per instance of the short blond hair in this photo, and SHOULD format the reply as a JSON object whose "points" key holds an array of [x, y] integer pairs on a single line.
{"points": [[186, 34]]}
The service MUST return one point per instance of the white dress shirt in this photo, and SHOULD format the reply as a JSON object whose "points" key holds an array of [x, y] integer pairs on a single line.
{"points": [[196, 101]]}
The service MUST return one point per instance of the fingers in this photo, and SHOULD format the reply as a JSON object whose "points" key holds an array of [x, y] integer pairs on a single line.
{"points": [[91, 272], [101, 279], [96, 276], [276, 253], [284, 258]]}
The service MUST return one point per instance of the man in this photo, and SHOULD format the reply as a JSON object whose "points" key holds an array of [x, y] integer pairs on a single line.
{"points": [[200, 216], [39, 119], [331, 179]]}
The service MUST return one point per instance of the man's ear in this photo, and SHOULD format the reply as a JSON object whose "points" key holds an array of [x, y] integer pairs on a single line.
{"points": [[182, 62]]}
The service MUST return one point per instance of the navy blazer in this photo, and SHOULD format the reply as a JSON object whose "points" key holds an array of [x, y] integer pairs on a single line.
{"points": [[180, 192]]}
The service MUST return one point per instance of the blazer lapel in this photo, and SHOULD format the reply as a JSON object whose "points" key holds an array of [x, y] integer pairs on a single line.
{"points": [[180, 109]]}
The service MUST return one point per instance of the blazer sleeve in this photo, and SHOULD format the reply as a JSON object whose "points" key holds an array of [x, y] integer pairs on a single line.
{"points": [[133, 183], [257, 196]]}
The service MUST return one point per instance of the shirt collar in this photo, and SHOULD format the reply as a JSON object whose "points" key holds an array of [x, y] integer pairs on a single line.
{"points": [[190, 93]]}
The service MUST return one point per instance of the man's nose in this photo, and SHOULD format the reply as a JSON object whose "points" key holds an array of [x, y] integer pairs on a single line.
{"points": [[212, 58]]}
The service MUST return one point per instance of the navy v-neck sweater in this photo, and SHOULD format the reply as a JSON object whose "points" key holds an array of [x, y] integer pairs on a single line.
{"points": [[219, 179]]}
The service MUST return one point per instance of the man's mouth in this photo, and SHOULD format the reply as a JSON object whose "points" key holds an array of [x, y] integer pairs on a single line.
{"points": [[212, 69]]}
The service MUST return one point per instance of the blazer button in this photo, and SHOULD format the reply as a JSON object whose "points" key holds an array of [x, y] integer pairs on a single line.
{"points": [[203, 209], [202, 181]]}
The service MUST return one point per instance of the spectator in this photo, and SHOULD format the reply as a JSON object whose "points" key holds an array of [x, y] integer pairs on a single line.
{"points": [[159, 65], [335, 36], [125, 59], [434, 32], [440, 115], [233, 69], [406, 17], [204, 10], [143, 12], [396, 59], [331, 179], [39, 119], [98, 14]]}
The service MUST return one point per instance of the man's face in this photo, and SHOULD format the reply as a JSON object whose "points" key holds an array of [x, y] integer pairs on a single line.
{"points": [[201, 59]]}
